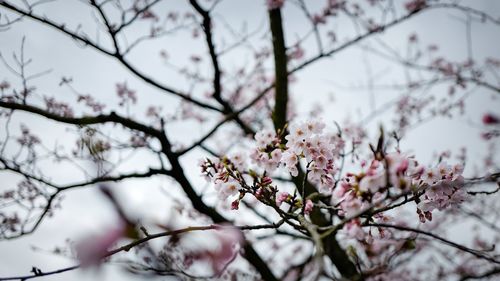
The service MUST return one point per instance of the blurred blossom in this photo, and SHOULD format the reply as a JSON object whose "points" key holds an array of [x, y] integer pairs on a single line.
{"points": [[93, 248], [229, 238], [490, 119]]}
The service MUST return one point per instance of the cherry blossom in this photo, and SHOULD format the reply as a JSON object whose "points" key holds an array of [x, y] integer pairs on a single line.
{"points": [[352, 200], [92, 249], [282, 197], [229, 240], [308, 207], [490, 119], [226, 189]]}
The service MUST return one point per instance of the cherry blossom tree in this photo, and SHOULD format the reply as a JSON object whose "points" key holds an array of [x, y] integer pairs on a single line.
{"points": [[265, 179]]}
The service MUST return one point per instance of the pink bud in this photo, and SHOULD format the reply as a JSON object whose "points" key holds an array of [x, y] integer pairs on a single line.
{"points": [[259, 193], [266, 181], [309, 207], [281, 197], [490, 119], [235, 205]]}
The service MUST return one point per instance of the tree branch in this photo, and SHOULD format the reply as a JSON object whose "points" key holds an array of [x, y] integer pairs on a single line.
{"points": [[217, 94], [86, 120], [280, 70], [115, 54], [477, 253], [143, 240]]}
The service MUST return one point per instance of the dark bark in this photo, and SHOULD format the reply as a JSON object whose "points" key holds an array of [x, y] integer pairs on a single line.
{"points": [[338, 256]]}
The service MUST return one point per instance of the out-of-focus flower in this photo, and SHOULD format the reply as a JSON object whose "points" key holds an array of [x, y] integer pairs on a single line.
{"points": [[353, 229], [490, 119], [230, 240], [92, 249], [308, 207]]}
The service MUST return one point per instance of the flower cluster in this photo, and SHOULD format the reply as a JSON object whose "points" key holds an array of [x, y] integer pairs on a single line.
{"points": [[229, 240], [383, 179], [125, 94], [268, 152], [307, 140], [396, 174], [225, 185], [358, 191], [27, 138], [442, 189]]}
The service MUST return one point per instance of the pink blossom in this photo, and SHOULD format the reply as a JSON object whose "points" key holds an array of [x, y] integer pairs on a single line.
{"points": [[92, 249], [259, 193], [341, 189], [320, 151], [430, 176], [226, 189], [276, 155], [229, 240], [490, 119], [239, 160], [297, 133], [308, 207], [458, 196], [457, 171], [281, 197], [353, 229], [354, 132], [235, 205], [27, 139], [269, 163], [444, 192], [373, 183], [264, 138], [125, 93], [297, 53], [290, 160], [353, 205], [266, 181], [315, 173], [326, 183], [59, 108]]}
